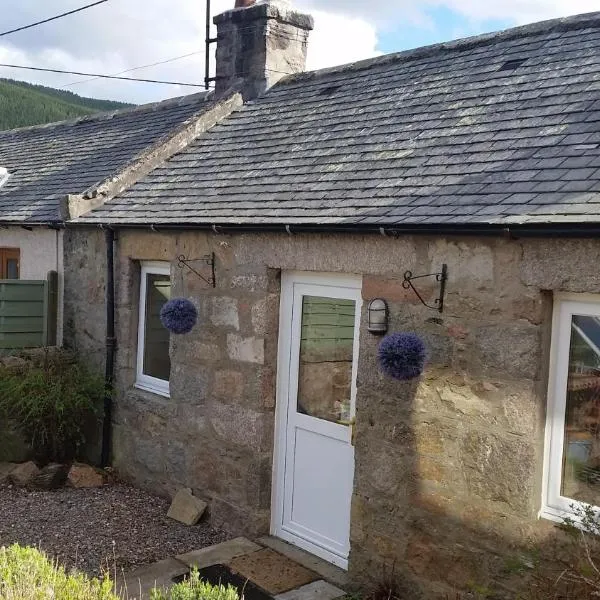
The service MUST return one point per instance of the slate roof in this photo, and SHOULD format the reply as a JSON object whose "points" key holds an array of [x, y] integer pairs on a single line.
{"points": [[48, 162], [499, 129]]}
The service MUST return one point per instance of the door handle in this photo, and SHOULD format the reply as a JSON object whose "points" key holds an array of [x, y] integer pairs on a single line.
{"points": [[352, 424]]}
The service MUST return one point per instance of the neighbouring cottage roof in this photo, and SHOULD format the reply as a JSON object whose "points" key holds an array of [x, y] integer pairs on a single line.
{"points": [[498, 129], [47, 162]]}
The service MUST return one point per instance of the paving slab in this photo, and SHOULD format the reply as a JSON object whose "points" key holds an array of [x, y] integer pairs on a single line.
{"points": [[219, 553], [140, 582], [318, 590], [271, 571], [325, 570]]}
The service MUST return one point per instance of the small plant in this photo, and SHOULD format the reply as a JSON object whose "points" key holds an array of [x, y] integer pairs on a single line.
{"points": [[51, 402], [571, 569], [193, 588], [28, 574]]}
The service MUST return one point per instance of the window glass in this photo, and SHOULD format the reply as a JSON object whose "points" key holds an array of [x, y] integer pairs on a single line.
{"points": [[9, 263], [12, 268], [156, 337], [326, 351], [581, 449]]}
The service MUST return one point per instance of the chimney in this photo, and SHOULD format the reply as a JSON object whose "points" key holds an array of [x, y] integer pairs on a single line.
{"points": [[259, 43]]}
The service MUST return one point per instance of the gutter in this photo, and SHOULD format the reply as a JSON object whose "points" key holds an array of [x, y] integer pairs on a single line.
{"points": [[576, 230]]}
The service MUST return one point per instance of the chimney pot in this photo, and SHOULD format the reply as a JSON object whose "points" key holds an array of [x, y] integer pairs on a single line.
{"points": [[259, 45]]}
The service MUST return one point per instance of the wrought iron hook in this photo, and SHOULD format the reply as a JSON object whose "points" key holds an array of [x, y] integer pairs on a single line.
{"points": [[209, 259], [440, 277]]}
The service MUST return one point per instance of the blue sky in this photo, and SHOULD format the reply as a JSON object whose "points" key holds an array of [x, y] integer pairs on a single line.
{"points": [[442, 24], [126, 35]]}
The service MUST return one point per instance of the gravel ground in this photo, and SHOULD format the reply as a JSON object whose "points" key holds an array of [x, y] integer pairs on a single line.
{"points": [[88, 527]]}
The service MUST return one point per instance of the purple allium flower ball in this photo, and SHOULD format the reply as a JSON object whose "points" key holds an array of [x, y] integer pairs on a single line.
{"points": [[402, 355], [178, 315]]}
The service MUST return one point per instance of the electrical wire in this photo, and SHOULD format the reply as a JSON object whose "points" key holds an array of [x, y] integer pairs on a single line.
{"points": [[99, 76], [162, 62], [71, 12]]}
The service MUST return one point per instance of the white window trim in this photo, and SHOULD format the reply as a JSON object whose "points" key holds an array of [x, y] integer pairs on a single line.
{"points": [[143, 381], [555, 506]]}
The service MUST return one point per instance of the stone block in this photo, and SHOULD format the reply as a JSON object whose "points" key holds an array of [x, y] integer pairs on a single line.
{"points": [[224, 312], [250, 350], [219, 553], [186, 508], [389, 289], [229, 385], [156, 575], [258, 316], [500, 469], [241, 426], [24, 473], [250, 282], [14, 363], [512, 349], [85, 476], [5, 470], [319, 590], [50, 477]]}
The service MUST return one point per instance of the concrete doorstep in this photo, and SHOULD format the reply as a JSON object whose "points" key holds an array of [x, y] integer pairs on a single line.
{"points": [[245, 558]]}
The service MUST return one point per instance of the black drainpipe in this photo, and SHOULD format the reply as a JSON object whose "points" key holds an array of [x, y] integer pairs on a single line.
{"points": [[110, 347]]}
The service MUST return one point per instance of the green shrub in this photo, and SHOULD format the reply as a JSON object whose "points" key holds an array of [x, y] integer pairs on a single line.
{"points": [[569, 567], [51, 401], [27, 574], [194, 588]]}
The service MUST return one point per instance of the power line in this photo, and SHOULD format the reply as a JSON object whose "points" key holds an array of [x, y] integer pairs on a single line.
{"points": [[162, 62], [99, 76], [71, 12]]}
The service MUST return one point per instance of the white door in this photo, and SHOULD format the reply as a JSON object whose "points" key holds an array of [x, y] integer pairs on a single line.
{"points": [[316, 393]]}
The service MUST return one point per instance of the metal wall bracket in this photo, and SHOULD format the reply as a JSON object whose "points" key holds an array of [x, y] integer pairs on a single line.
{"points": [[441, 277], [208, 259]]}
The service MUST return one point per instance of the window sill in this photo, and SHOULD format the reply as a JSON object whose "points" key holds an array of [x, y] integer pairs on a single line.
{"points": [[153, 390]]}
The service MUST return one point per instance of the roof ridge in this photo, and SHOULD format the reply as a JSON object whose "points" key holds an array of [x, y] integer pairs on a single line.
{"points": [[106, 115], [581, 21]]}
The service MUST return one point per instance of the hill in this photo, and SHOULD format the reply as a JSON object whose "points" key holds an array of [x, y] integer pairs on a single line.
{"points": [[23, 104]]}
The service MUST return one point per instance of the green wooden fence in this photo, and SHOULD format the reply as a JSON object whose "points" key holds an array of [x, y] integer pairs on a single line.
{"points": [[28, 311]]}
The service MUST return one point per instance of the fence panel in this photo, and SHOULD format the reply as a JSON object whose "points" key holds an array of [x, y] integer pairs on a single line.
{"points": [[27, 313]]}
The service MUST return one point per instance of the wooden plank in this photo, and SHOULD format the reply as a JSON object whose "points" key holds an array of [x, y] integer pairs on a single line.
{"points": [[22, 314], [52, 308], [20, 340], [22, 291], [21, 309], [22, 324]]}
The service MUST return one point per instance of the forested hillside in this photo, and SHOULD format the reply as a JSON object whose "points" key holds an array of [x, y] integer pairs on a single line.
{"points": [[23, 104]]}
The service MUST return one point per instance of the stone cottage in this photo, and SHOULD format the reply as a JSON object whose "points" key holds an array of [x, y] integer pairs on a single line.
{"points": [[282, 222], [52, 173]]}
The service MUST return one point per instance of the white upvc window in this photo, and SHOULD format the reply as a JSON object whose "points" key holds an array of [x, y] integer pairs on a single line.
{"points": [[572, 452], [153, 363]]}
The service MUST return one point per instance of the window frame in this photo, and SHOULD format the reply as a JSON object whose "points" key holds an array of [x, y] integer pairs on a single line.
{"points": [[555, 506], [144, 381], [7, 254]]}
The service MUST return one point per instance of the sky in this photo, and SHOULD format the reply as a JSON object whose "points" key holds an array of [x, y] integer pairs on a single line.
{"points": [[124, 34]]}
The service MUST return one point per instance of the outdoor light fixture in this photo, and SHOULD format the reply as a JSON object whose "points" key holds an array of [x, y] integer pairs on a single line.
{"points": [[378, 314]]}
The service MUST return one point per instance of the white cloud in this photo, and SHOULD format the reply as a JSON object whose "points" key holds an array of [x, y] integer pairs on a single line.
{"points": [[119, 35], [394, 12]]}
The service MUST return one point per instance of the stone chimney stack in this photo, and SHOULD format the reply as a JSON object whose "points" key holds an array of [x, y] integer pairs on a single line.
{"points": [[258, 44]]}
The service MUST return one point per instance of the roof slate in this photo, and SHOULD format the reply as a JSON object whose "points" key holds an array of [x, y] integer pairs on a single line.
{"points": [[440, 135], [48, 162]]}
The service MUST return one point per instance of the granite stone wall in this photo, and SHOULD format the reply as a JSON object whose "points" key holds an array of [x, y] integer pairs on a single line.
{"points": [[448, 469]]}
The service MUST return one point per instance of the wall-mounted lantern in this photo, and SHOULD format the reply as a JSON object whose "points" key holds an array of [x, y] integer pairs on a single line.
{"points": [[379, 316]]}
